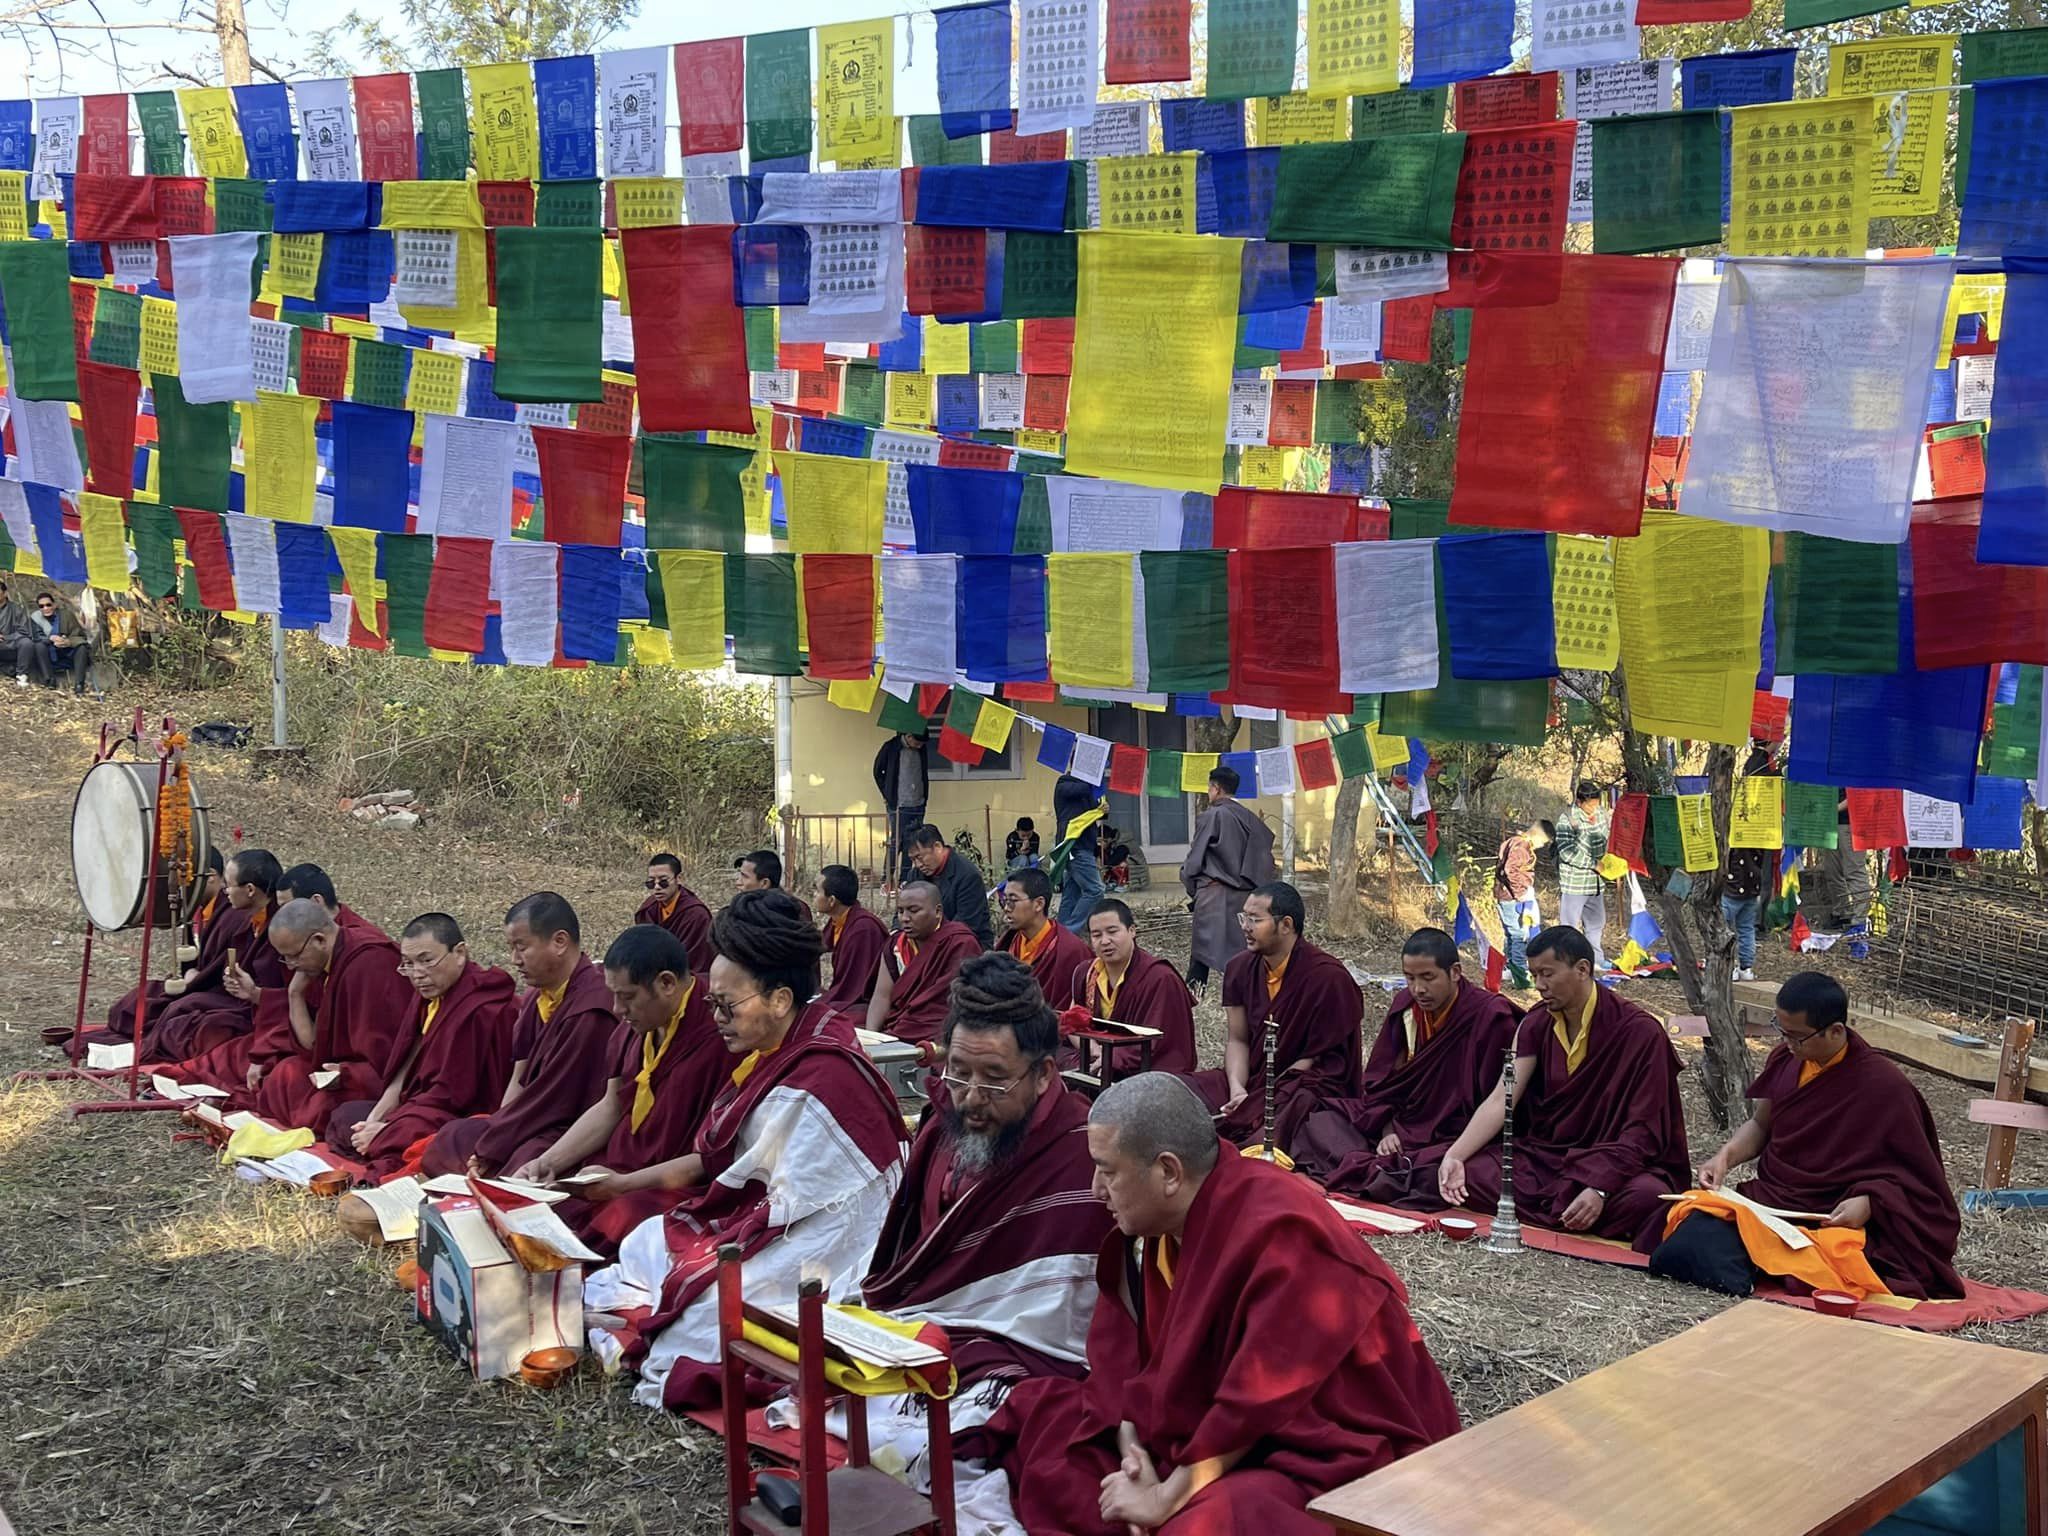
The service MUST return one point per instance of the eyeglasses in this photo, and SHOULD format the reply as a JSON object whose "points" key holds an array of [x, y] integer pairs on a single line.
{"points": [[1248, 920], [962, 1086], [1797, 1040], [661, 884], [724, 1007], [407, 967]]}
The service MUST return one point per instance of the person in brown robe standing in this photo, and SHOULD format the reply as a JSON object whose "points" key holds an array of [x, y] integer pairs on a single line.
{"points": [[671, 1065], [1437, 1055], [451, 1056], [673, 905], [564, 1047], [854, 939], [1029, 933], [1303, 994], [1837, 1128], [1599, 1129], [1231, 853], [916, 973]]}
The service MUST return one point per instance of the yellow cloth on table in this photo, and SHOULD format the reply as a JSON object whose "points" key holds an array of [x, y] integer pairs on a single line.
{"points": [[864, 1378]]}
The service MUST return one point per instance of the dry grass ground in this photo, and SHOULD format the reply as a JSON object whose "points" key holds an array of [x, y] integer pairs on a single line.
{"points": [[181, 1352]]}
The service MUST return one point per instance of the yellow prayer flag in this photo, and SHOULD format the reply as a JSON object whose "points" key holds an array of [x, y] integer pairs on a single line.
{"points": [[1155, 333], [279, 457], [504, 125], [992, 726], [294, 270], [615, 276], [856, 92], [854, 693], [348, 325], [435, 383], [1265, 469], [356, 548], [1036, 440], [1826, 145], [14, 205], [159, 336], [1756, 815], [1299, 119], [909, 401], [648, 202], [1195, 768], [105, 532], [1089, 619], [1696, 831], [693, 590], [1354, 48], [1972, 293], [1909, 142], [432, 204], [651, 646], [1582, 602], [1687, 679], [945, 347], [1387, 751], [1147, 192], [834, 503], [213, 131], [472, 288], [58, 220]]}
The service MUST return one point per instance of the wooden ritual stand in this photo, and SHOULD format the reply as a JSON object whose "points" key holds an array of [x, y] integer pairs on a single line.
{"points": [[2007, 1113]]}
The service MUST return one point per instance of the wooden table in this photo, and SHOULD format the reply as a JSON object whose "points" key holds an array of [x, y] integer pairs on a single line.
{"points": [[1765, 1420]]}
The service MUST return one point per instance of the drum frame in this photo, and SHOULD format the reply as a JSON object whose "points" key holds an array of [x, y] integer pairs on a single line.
{"points": [[169, 906]]}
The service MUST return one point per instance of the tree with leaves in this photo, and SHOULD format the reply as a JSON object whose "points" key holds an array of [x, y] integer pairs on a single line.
{"points": [[440, 33]]}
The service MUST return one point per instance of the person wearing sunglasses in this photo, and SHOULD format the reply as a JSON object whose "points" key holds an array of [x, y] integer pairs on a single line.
{"points": [[673, 905]]}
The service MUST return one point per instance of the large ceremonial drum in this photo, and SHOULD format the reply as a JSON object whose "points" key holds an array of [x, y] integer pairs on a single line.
{"points": [[113, 830]]}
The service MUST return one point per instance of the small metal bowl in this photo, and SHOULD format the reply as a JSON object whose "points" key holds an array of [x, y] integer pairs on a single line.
{"points": [[547, 1368]]}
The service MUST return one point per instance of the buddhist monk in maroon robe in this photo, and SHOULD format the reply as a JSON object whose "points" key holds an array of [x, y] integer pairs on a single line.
{"points": [[1248, 1353], [761, 870], [639, 1133], [1314, 1009], [1439, 1053], [347, 1030], [854, 939], [1123, 982], [1599, 1129], [1054, 953], [1837, 1128], [673, 905], [206, 1013], [917, 969], [565, 1049], [201, 965], [450, 1057]]}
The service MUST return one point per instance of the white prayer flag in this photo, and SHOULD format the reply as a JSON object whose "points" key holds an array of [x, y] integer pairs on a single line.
{"points": [[466, 477], [856, 284], [1058, 50], [1628, 86], [1091, 759], [525, 575], [270, 342], [632, 89], [1107, 516], [45, 448], [252, 542], [1386, 616], [831, 197], [897, 449], [707, 198], [1276, 770], [134, 262], [1379, 274], [1688, 343], [327, 128], [1251, 410], [1002, 401], [1564, 33], [335, 631], [57, 120], [1117, 128], [14, 516], [1349, 326], [917, 617], [216, 358], [1932, 823]]}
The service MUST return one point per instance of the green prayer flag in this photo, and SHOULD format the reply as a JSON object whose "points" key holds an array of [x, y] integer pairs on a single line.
{"points": [[963, 709], [1077, 195], [1510, 713], [568, 205], [1187, 619], [1412, 518], [1461, 336], [1039, 275], [759, 321], [2014, 750], [7, 550], [1403, 111], [778, 94], [194, 446], [550, 315], [1837, 606], [1034, 518], [163, 143], [1656, 182], [152, 530], [1666, 840], [1811, 814], [930, 146], [1365, 709], [1391, 191], [1340, 412], [992, 347], [35, 286], [1251, 48], [693, 494], [241, 205], [116, 329], [1162, 774], [1992, 56], [1818, 13], [864, 394], [1247, 358], [760, 613], [1353, 753], [899, 715], [381, 371], [444, 125], [408, 564]]}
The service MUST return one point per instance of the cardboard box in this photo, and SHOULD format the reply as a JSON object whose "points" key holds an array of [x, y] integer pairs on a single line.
{"points": [[474, 1296]]}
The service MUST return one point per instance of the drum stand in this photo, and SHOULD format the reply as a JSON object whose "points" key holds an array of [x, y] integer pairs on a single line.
{"points": [[133, 1103]]}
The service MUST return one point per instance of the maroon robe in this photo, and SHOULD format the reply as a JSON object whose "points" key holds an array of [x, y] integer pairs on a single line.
{"points": [[1015, 1222], [1281, 1330], [173, 1041], [363, 1002], [1861, 1128], [1320, 1015], [688, 919], [1616, 1125], [1426, 1099], [856, 953], [570, 1061], [1052, 967], [688, 1077], [917, 1006], [226, 1034], [1153, 995], [460, 1069]]}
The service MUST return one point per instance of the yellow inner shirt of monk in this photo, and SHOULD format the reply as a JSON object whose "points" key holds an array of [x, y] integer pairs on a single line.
{"points": [[652, 1049], [1575, 1043], [1027, 949], [427, 1023], [1105, 989], [550, 1000], [1275, 974], [1165, 1254]]}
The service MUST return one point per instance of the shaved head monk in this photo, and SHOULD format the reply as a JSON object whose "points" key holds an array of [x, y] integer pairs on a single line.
{"points": [[917, 969], [673, 905], [1307, 999], [205, 1032], [1836, 1128], [1053, 953], [639, 1132], [994, 1233], [1127, 984], [854, 939], [565, 1047], [1249, 1351], [449, 1059], [1437, 1056], [761, 870], [1599, 1130], [346, 1002]]}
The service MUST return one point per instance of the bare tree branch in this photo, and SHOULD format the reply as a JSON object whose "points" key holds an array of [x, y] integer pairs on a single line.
{"points": [[179, 74]]}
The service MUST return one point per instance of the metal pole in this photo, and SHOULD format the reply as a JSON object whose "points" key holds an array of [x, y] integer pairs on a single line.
{"points": [[785, 767], [1287, 806], [277, 681]]}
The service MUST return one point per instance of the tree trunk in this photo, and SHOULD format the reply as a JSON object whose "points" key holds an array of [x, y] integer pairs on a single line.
{"points": [[231, 27], [1346, 917]]}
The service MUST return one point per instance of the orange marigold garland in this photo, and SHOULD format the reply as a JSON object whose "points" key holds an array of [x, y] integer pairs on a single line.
{"points": [[174, 820]]}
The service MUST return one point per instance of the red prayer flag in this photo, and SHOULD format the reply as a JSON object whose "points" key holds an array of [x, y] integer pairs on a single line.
{"points": [[458, 593], [103, 138], [955, 453], [710, 86], [1045, 402], [931, 698], [1966, 614], [384, 135], [1031, 693], [1955, 465], [1877, 819], [1308, 357], [1147, 41], [1767, 716], [945, 271], [1404, 329], [360, 639], [689, 336], [113, 207], [181, 207], [107, 399], [1291, 422], [817, 391], [1514, 188], [1506, 101], [1005, 147], [1625, 831], [1126, 769], [582, 484], [323, 364], [1678, 13], [955, 747], [800, 355], [1568, 454], [1283, 628], [614, 413], [85, 299], [1045, 346], [839, 614], [1245, 518], [506, 203], [1315, 765], [206, 546]]}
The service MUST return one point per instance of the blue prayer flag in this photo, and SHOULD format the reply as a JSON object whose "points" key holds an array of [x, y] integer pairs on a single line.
{"points": [[1735, 80], [481, 399], [999, 617], [565, 92], [1244, 181], [2014, 529], [589, 602], [1905, 730], [1991, 818], [492, 654], [265, 113], [1190, 123], [1246, 767], [1496, 605], [906, 353], [1941, 399], [303, 551], [963, 511], [63, 558], [355, 268], [771, 264], [1276, 275], [1461, 40], [320, 207], [87, 260], [974, 68], [957, 407], [2005, 200], [842, 439], [633, 587], [1351, 469], [1056, 748], [372, 457], [1674, 405], [1196, 706], [1197, 520], [17, 135], [1032, 197], [1278, 330]]}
